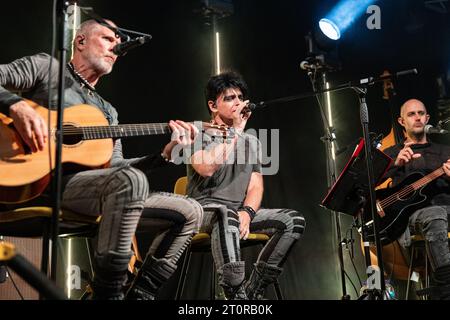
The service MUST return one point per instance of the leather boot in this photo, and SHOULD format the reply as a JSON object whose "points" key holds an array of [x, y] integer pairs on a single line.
{"points": [[153, 274], [110, 274], [231, 279], [262, 275]]}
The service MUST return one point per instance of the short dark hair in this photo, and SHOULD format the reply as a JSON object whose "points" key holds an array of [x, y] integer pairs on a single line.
{"points": [[219, 83]]}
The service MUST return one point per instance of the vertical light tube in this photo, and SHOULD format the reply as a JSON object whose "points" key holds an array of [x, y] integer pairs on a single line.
{"points": [[75, 24], [69, 264], [330, 116], [217, 53]]}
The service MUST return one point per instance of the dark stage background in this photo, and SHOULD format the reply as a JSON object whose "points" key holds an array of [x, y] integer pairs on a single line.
{"points": [[264, 40]]}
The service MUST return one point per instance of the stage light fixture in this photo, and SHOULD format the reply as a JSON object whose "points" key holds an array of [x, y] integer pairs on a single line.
{"points": [[330, 29]]}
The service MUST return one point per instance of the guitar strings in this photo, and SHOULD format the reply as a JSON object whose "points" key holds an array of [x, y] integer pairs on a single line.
{"points": [[414, 186], [411, 188], [117, 129]]}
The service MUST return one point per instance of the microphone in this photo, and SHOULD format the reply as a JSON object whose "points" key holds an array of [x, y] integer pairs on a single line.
{"points": [[429, 129], [305, 65], [252, 106], [122, 48]]}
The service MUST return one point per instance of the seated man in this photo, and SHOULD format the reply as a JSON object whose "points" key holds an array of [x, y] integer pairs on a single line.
{"points": [[231, 191], [119, 193], [418, 153]]}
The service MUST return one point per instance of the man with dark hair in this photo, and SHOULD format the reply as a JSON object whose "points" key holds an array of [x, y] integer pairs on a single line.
{"points": [[418, 153], [225, 177], [120, 194]]}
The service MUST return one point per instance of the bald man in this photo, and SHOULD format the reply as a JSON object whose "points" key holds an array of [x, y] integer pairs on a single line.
{"points": [[418, 153]]}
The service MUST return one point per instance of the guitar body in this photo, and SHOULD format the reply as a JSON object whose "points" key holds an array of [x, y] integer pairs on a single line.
{"points": [[395, 221], [24, 175], [87, 144]]}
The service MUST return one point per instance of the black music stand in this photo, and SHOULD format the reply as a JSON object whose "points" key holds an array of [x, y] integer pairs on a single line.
{"points": [[350, 192]]}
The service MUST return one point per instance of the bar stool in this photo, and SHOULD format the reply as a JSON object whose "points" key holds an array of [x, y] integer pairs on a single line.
{"points": [[201, 242]]}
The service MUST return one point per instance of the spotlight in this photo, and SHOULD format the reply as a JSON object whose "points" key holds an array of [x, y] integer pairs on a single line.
{"points": [[342, 16], [323, 38], [330, 29], [322, 50]]}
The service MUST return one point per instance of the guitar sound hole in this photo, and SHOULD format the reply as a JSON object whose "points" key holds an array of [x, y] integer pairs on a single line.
{"points": [[72, 135]]}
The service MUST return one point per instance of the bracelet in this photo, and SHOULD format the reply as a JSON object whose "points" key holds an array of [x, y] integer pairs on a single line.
{"points": [[251, 212]]}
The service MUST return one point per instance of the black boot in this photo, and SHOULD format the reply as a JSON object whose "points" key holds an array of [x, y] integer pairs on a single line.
{"points": [[231, 279], [110, 274], [151, 276], [262, 275]]}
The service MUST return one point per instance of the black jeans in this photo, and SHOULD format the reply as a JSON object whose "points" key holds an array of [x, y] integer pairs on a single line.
{"points": [[432, 223]]}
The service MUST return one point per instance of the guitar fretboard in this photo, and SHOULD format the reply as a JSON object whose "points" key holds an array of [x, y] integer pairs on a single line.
{"points": [[412, 187], [428, 178], [118, 131]]}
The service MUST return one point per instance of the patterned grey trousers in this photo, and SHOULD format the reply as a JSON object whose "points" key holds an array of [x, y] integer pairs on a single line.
{"points": [[122, 197], [284, 226], [432, 223]]}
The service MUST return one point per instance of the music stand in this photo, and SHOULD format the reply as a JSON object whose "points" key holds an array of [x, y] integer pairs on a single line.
{"points": [[350, 192]]}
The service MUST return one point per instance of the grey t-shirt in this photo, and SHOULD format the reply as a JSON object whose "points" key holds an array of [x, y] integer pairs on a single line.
{"points": [[228, 185]]}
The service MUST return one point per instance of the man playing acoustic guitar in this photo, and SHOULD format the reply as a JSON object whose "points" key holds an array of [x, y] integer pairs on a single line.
{"points": [[119, 193], [418, 153]]}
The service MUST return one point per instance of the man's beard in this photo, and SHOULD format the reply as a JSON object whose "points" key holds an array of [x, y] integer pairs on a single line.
{"points": [[418, 135], [100, 66]]}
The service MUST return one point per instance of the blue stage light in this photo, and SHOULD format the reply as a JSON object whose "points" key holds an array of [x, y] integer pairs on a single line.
{"points": [[342, 16], [330, 29]]}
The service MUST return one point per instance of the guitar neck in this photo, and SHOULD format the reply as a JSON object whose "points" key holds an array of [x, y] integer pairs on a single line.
{"points": [[119, 131], [411, 188], [428, 178]]}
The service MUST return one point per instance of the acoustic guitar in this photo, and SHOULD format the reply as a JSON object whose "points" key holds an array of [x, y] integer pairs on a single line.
{"points": [[87, 143]]}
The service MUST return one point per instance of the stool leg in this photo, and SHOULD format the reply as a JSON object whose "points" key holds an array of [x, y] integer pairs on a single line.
{"points": [[409, 272], [89, 249], [277, 288], [427, 276], [183, 273], [45, 252], [88, 289], [213, 281]]}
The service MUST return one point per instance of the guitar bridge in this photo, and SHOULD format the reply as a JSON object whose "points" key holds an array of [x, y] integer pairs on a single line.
{"points": [[380, 210]]}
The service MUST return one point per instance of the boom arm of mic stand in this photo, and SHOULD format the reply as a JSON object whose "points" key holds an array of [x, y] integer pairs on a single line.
{"points": [[364, 82], [90, 12]]}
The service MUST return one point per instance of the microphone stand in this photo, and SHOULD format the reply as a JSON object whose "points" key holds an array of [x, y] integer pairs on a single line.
{"points": [[360, 87], [328, 139], [372, 293], [57, 173]]}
